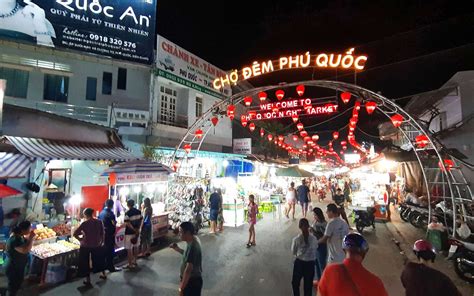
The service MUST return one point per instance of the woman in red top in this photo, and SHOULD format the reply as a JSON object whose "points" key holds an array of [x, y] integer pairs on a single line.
{"points": [[252, 212]]}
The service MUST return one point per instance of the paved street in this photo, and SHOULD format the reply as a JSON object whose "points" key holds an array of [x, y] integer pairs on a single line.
{"points": [[232, 269]]}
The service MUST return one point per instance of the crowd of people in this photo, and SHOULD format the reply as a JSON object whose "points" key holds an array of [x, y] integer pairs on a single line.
{"points": [[326, 252]]}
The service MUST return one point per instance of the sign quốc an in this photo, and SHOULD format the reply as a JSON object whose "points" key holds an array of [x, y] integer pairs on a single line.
{"points": [[119, 29]]}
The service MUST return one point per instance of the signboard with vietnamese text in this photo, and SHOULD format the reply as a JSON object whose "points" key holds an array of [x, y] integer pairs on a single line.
{"points": [[141, 178], [243, 146], [181, 66], [118, 29]]}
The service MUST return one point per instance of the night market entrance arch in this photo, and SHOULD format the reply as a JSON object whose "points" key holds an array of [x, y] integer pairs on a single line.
{"points": [[425, 148]]}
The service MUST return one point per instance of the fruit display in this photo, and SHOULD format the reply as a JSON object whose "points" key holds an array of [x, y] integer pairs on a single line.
{"points": [[62, 229], [44, 233], [49, 250]]}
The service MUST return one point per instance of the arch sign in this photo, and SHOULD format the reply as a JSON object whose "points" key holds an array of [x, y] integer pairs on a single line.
{"points": [[348, 60]]}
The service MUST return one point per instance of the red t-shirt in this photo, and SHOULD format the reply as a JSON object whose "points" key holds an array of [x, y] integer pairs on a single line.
{"points": [[334, 281]]}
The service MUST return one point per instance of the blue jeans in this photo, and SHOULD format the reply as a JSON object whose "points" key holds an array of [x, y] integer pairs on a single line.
{"points": [[321, 259]]}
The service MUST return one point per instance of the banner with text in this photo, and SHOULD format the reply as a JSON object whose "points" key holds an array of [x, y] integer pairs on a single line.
{"points": [[118, 29], [187, 69]]}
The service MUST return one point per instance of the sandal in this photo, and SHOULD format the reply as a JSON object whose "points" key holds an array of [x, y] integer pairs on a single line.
{"points": [[249, 245], [103, 277]]}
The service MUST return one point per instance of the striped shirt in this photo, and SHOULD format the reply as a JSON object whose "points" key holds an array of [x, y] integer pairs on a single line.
{"points": [[133, 216]]}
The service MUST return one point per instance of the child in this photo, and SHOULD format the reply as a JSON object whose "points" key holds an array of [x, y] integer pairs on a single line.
{"points": [[252, 211]]}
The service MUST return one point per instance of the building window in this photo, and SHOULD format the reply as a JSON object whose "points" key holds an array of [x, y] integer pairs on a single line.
{"points": [[17, 82], [122, 79], [107, 83], [56, 88], [168, 106], [91, 89], [198, 107]]}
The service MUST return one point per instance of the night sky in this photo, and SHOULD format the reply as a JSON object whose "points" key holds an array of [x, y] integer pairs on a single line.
{"points": [[413, 46]]}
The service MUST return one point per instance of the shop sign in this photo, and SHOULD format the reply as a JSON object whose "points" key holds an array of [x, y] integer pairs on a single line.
{"points": [[348, 60], [243, 146], [141, 178], [118, 29], [181, 66], [120, 238], [289, 108]]}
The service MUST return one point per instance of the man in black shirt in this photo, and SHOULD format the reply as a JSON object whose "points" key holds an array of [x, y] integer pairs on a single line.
{"points": [[108, 219], [421, 279], [304, 197], [133, 221]]}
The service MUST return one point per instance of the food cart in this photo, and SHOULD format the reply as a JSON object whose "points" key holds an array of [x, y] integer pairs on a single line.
{"points": [[138, 180]]}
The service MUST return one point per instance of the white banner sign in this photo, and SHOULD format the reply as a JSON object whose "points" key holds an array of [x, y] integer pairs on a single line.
{"points": [[243, 146], [141, 178], [181, 66]]}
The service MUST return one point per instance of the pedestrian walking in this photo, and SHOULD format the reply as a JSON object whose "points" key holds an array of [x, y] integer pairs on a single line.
{"points": [[146, 231], [252, 212], [304, 247], [191, 264], [290, 201], [339, 200], [17, 249], [336, 230], [318, 228], [109, 221], [215, 201], [420, 278], [304, 197], [350, 278], [91, 235], [133, 221]]}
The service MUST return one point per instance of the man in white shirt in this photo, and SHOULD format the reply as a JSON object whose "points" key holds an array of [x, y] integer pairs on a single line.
{"points": [[335, 232], [304, 248]]}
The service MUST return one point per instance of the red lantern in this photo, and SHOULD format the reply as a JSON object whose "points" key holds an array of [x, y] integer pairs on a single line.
{"points": [[279, 144], [231, 112], [351, 128], [303, 134], [421, 141], [275, 142], [243, 120], [310, 142], [280, 94], [305, 146], [187, 148], [448, 163], [306, 139], [252, 126], [281, 138], [343, 143], [357, 106], [397, 120], [295, 118], [295, 138], [214, 120], [198, 133], [270, 137], [262, 132], [370, 107], [315, 137], [275, 109], [335, 135], [248, 101], [353, 121], [262, 96], [345, 97], [300, 126], [344, 147], [300, 90]]}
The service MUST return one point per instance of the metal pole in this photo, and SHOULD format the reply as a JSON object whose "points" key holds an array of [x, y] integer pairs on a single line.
{"points": [[3, 87]]}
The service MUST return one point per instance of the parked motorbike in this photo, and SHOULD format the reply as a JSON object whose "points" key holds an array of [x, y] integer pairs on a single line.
{"points": [[462, 255], [364, 219], [402, 209]]}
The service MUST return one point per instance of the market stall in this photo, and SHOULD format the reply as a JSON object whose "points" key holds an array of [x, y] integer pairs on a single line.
{"points": [[138, 180], [232, 201]]}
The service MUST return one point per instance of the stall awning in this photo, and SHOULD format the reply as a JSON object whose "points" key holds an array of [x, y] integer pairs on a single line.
{"points": [[66, 150], [137, 167], [13, 165], [6, 191]]}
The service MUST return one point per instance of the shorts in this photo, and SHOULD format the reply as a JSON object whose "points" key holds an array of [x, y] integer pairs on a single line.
{"points": [[291, 201], [128, 241], [213, 215], [304, 204]]}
